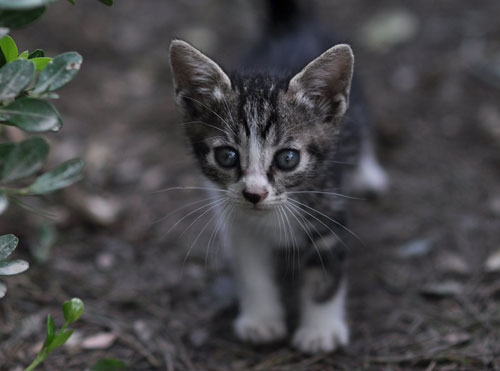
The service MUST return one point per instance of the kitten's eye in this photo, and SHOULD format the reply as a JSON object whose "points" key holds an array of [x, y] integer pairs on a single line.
{"points": [[287, 159], [226, 157]]}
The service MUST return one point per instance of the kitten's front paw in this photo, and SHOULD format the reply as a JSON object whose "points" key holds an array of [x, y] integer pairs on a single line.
{"points": [[259, 330], [325, 338]]}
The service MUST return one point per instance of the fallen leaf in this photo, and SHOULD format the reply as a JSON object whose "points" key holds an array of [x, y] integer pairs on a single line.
{"points": [[442, 289], [102, 340], [493, 262], [413, 248]]}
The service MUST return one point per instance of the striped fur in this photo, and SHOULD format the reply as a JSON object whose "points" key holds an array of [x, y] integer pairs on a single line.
{"points": [[257, 115]]}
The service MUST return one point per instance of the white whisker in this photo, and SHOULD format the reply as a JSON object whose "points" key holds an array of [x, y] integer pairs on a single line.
{"points": [[308, 233], [327, 193], [321, 222], [294, 244], [221, 201], [210, 204], [208, 108], [218, 224], [285, 239], [228, 110], [306, 122], [332, 220], [183, 207], [191, 188], [229, 224], [206, 124], [199, 234]]}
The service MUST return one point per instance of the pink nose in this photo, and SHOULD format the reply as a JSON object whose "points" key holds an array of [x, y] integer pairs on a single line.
{"points": [[255, 197]]}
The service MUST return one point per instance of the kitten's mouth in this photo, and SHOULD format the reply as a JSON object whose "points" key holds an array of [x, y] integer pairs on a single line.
{"points": [[258, 207]]}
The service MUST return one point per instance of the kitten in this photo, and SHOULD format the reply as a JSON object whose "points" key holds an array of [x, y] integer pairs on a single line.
{"points": [[276, 146]]}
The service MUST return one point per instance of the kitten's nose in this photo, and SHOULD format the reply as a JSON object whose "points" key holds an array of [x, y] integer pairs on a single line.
{"points": [[255, 197]]}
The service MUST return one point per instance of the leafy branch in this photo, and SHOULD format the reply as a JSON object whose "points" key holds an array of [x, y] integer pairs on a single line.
{"points": [[21, 93], [8, 244], [72, 310]]}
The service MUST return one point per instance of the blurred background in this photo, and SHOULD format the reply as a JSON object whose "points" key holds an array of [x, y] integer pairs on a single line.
{"points": [[425, 290]]}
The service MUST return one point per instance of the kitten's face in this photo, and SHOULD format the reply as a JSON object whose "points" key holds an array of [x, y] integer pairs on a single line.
{"points": [[256, 136]]}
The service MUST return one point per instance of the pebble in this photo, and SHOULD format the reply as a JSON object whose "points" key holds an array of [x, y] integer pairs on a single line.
{"points": [[105, 260], [198, 337], [75, 340], [453, 263], [102, 340], [418, 247], [442, 289], [492, 264], [489, 121], [102, 210], [143, 330], [4, 203], [389, 28], [494, 206]]}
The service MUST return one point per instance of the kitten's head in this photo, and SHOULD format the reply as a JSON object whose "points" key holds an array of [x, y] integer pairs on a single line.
{"points": [[259, 136]]}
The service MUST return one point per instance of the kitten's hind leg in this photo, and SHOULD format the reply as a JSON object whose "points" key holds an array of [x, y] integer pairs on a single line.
{"points": [[368, 178], [322, 327], [261, 317]]}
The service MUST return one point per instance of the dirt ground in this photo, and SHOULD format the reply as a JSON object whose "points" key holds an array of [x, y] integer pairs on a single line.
{"points": [[424, 290]]}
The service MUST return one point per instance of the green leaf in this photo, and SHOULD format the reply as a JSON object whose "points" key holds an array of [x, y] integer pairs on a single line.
{"points": [[51, 330], [40, 62], [37, 53], [71, 1], [23, 55], [72, 309], [9, 268], [107, 2], [109, 364], [20, 18], [5, 150], [23, 4], [26, 158], [47, 237], [8, 243], [62, 176], [9, 48], [31, 114], [3, 289], [58, 72], [60, 339], [15, 76], [4, 202]]}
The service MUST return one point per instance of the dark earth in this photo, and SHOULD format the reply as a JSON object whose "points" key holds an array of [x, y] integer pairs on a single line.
{"points": [[424, 287]]}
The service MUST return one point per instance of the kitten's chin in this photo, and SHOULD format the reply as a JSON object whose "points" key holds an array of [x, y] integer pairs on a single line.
{"points": [[259, 208]]}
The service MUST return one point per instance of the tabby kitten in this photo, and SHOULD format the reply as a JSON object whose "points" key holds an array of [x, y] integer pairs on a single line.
{"points": [[276, 146]]}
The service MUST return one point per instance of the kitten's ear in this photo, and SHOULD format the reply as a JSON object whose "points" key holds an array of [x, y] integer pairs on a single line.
{"points": [[326, 81], [196, 77]]}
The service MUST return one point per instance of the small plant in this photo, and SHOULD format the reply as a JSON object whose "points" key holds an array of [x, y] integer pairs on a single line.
{"points": [[17, 13], [27, 80], [8, 244], [72, 310], [21, 93], [109, 364]]}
